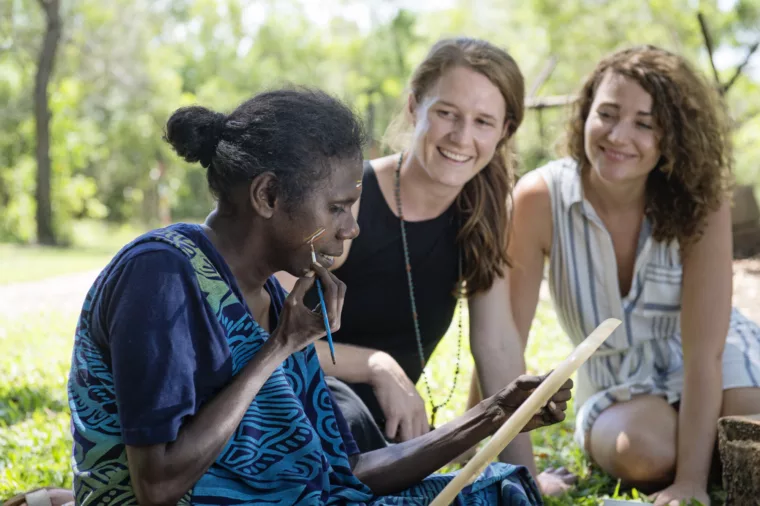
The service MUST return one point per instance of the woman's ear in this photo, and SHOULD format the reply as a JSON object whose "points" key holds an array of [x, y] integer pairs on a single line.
{"points": [[505, 130], [411, 109], [263, 194]]}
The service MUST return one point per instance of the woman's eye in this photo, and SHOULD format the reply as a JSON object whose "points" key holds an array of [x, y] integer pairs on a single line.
{"points": [[444, 114], [645, 126], [337, 209]]}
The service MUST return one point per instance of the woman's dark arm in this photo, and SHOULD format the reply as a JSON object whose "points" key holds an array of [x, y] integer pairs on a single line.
{"points": [[398, 467], [162, 474]]}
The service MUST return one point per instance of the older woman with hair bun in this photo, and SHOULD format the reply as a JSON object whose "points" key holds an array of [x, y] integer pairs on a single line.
{"points": [[194, 378]]}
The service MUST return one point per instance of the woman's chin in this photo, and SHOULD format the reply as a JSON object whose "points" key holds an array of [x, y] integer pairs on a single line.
{"points": [[619, 173], [454, 179]]}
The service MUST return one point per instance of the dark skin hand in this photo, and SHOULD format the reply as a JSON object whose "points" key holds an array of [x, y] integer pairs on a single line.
{"points": [[162, 474], [398, 467]]}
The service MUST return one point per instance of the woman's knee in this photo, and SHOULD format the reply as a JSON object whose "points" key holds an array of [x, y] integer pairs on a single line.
{"points": [[636, 441]]}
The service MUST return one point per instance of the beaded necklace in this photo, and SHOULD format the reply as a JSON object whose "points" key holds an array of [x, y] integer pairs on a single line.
{"points": [[415, 319]]}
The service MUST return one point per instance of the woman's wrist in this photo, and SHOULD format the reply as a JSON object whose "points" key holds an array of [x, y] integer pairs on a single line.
{"points": [[378, 367]]}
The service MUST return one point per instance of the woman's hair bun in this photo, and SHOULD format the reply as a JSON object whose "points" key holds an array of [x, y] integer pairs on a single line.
{"points": [[194, 133]]}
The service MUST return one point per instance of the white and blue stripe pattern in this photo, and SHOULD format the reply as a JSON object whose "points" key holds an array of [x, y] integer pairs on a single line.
{"points": [[644, 355]]}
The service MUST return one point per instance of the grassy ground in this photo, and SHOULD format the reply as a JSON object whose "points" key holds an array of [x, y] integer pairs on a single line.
{"points": [[34, 416], [35, 442], [95, 244]]}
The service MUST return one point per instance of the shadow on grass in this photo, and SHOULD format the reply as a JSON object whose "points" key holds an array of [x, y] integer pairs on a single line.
{"points": [[20, 403]]}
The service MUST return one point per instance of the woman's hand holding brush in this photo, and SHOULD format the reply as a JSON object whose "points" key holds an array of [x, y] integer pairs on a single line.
{"points": [[329, 324], [299, 326]]}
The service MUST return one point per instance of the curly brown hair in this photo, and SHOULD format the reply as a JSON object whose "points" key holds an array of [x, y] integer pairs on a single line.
{"points": [[693, 175], [483, 202]]}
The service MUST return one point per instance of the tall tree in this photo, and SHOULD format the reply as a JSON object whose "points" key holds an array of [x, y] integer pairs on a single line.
{"points": [[45, 232]]}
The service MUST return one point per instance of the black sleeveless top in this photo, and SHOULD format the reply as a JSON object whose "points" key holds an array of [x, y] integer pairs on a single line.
{"points": [[377, 310]]}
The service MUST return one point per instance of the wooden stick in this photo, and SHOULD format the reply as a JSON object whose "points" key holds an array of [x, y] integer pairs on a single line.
{"points": [[543, 76], [741, 66], [536, 401], [549, 102]]}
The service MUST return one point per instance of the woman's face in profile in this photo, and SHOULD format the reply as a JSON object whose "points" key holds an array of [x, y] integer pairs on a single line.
{"points": [[325, 206]]}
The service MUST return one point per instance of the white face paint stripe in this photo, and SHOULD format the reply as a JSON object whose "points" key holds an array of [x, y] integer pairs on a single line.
{"points": [[313, 237]]}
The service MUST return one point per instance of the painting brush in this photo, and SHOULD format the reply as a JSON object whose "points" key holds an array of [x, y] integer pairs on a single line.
{"points": [[313, 237]]}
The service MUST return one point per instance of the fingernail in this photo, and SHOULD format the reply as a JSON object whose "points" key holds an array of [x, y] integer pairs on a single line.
{"points": [[310, 274]]}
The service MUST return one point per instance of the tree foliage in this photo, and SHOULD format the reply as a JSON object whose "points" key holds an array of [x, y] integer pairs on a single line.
{"points": [[122, 66]]}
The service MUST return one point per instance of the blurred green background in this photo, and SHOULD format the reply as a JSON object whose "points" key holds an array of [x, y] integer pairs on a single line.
{"points": [[120, 67], [114, 70]]}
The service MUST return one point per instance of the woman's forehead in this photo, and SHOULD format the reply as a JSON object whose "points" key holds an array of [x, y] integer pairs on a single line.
{"points": [[618, 90], [343, 177], [465, 88]]}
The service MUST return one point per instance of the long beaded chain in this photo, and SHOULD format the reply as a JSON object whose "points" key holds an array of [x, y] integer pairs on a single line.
{"points": [[417, 334]]}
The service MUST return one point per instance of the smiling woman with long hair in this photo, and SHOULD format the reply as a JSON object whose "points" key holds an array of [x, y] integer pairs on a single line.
{"points": [[434, 217]]}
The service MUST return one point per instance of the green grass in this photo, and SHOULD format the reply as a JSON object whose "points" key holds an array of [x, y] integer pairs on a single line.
{"points": [[94, 244], [35, 441], [34, 415], [31, 263]]}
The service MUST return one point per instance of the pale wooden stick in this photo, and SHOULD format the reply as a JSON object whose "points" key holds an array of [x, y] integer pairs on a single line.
{"points": [[536, 401]]}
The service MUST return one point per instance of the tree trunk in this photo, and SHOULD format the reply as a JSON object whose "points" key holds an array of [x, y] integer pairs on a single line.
{"points": [[45, 233]]}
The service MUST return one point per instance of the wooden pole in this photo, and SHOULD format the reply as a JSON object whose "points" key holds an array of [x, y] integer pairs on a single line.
{"points": [[543, 76], [549, 102], [45, 65], [709, 45]]}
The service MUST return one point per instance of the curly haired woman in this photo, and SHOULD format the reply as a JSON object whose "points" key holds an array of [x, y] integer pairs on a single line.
{"points": [[636, 224]]}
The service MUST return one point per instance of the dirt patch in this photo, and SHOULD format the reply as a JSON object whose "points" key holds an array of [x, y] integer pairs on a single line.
{"points": [[62, 294], [66, 293]]}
